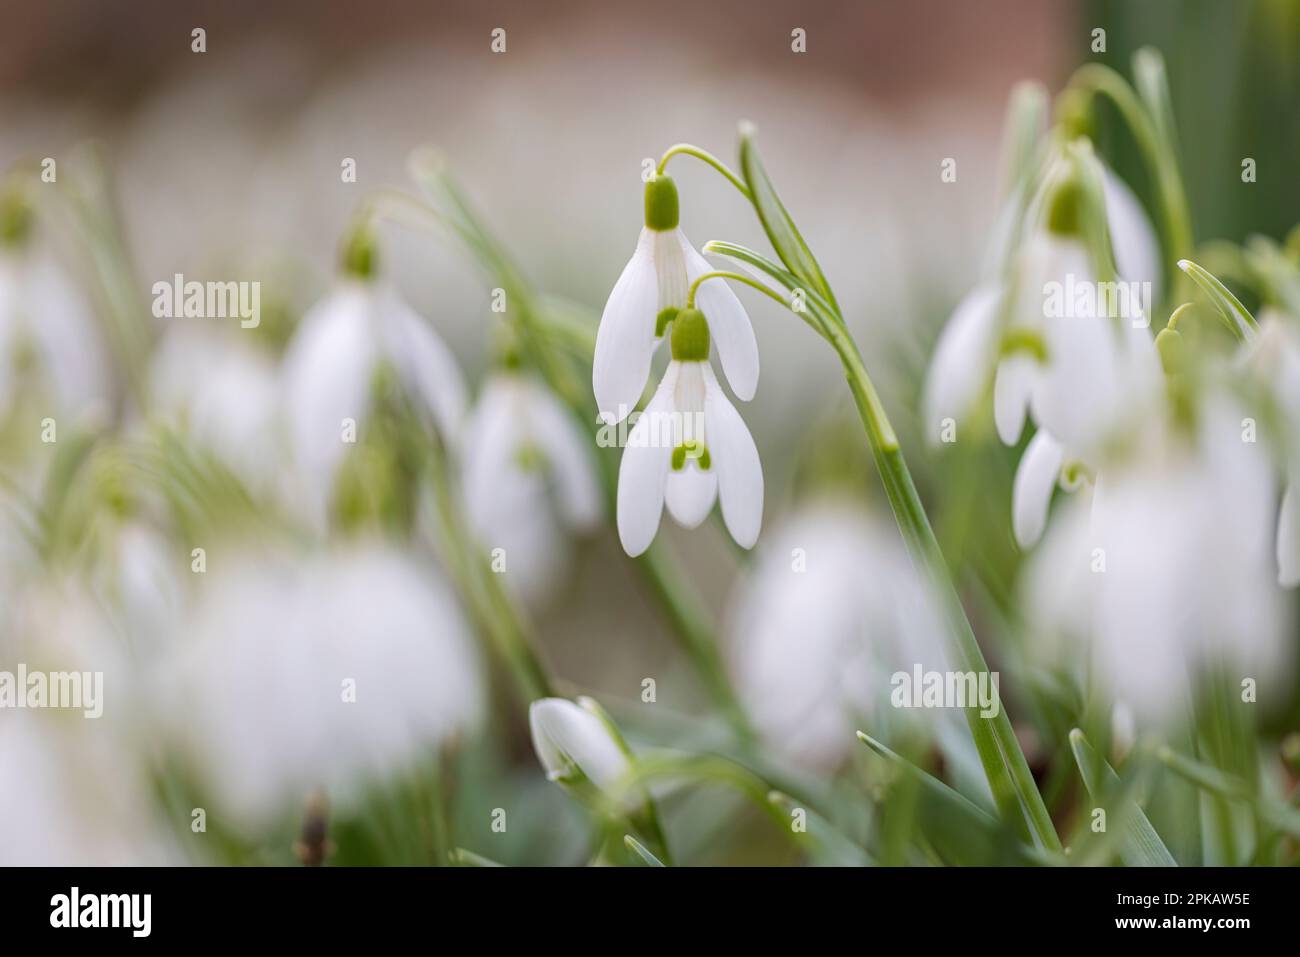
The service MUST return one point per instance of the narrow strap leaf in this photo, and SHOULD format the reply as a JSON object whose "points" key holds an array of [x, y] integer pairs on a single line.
{"points": [[641, 851], [959, 830], [1141, 846], [777, 223], [1237, 317]]}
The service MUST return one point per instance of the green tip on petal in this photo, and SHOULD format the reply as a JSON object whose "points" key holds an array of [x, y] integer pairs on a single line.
{"points": [[359, 257], [1064, 207], [693, 449], [661, 211], [690, 339]]}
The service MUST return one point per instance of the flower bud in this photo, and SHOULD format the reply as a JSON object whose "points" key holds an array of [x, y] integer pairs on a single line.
{"points": [[573, 742]]}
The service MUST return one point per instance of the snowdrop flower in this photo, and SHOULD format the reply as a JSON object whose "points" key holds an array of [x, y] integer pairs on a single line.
{"points": [[80, 791], [336, 671], [967, 350], [526, 472], [652, 288], [222, 395], [1156, 585], [331, 363], [1080, 363], [576, 739], [46, 325], [688, 448], [841, 582]]}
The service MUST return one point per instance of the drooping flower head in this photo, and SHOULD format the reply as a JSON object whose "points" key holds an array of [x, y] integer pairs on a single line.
{"points": [[334, 356], [689, 448], [528, 479], [1075, 353], [649, 293]]}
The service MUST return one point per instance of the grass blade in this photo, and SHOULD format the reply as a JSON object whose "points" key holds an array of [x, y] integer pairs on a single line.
{"points": [[1141, 846]]}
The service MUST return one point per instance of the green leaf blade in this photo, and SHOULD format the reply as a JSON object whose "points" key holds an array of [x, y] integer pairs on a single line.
{"points": [[777, 222], [1141, 845]]}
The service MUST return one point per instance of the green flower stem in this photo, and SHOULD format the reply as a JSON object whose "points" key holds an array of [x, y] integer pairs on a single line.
{"points": [[708, 769], [1008, 772], [1099, 79], [539, 334], [687, 149], [1010, 780], [491, 604], [698, 639]]}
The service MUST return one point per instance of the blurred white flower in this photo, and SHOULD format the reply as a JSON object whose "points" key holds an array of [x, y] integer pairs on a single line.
{"points": [[568, 736], [1156, 585], [76, 795], [1274, 357], [77, 788], [222, 395], [528, 479], [967, 351], [652, 288], [1083, 377], [333, 671], [329, 371], [48, 335], [689, 447], [831, 609]]}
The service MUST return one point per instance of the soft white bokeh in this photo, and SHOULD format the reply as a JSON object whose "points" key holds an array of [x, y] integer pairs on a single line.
{"points": [[254, 694]]}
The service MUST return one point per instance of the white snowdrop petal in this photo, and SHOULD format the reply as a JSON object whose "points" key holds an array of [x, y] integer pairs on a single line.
{"points": [[690, 494], [1032, 493], [643, 471], [962, 359], [1012, 386], [568, 455], [1137, 252], [729, 325], [625, 341], [1288, 538], [427, 367], [327, 371], [735, 457], [488, 453]]}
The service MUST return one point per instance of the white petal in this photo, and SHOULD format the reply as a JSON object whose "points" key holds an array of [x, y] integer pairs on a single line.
{"points": [[568, 453], [427, 368], [962, 359], [1032, 493], [625, 341], [1012, 387], [327, 371], [1137, 253], [644, 470], [489, 469], [690, 494], [563, 732], [735, 457], [507, 503], [1288, 538], [729, 325]]}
